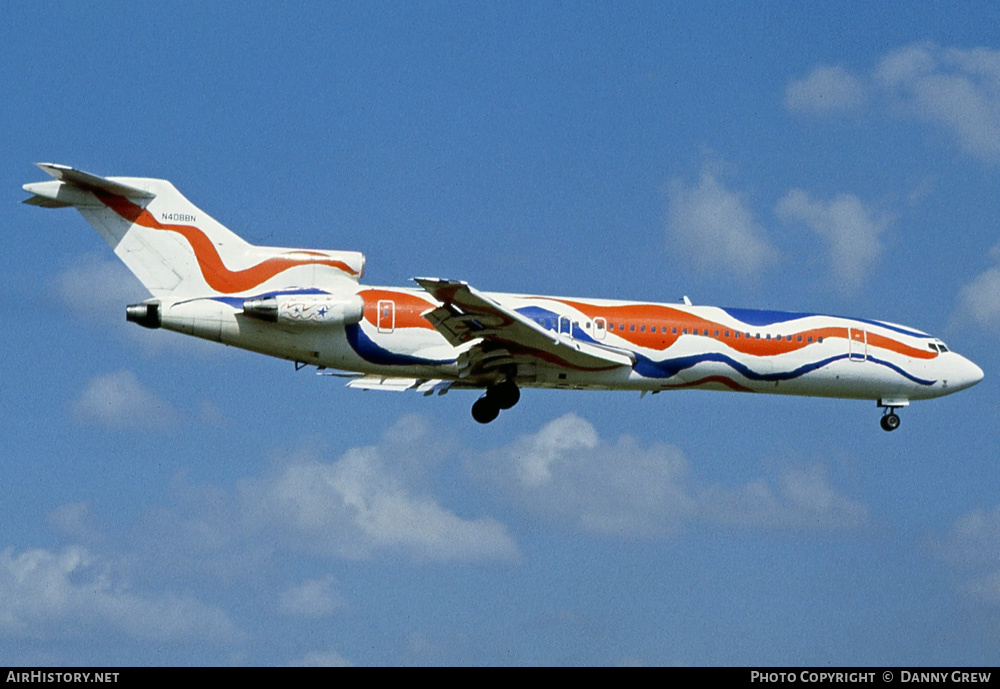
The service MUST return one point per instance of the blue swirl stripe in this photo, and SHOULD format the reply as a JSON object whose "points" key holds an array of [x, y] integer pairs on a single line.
{"points": [[649, 368]]}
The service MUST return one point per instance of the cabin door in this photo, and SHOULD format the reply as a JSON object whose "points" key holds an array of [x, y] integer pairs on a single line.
{"points": [[386, 316], [565, 325], [600, 328], [857, 344]]}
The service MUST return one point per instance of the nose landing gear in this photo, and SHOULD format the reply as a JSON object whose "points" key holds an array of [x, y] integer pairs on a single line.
{"points": [[501, 396], [890, 420]]}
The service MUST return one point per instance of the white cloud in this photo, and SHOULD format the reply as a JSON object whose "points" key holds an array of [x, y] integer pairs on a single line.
{"points": [[566, 472], [972, 546], [311, 598], [985, 589], [825, 90], [537, 455], [76, 520], [979, 300], [975, 538], [355, 506], [905, 65], [853, 231], [118, 400], [70, 592], [956, 89], [370, 501], [803, 499], [322, 659], [97, 289], [713, 227]]}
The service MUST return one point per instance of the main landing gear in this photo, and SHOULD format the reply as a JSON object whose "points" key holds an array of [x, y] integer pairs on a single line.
{"points": [[889, 421], [502, 396]]}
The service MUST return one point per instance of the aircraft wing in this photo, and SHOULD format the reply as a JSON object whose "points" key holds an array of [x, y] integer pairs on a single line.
{"points": [[500, 336]]}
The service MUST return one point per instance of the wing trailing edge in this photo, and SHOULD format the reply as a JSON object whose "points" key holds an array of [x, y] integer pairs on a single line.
{"points": [[501, 336]]}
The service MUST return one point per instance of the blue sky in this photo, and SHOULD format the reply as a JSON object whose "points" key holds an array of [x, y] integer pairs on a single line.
{"points": [[166, 501]]}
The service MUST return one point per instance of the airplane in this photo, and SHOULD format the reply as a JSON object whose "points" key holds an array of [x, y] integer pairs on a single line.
{"points": [[309, 306]]}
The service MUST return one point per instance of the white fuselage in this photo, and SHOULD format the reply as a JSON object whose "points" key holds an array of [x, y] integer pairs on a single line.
{"points": [[673, 346]]}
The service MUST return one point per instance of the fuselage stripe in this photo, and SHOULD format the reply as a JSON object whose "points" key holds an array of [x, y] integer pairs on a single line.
{"points": [[658, 316]]}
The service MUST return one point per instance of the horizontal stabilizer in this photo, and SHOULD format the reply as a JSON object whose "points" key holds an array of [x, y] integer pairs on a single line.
{"points": [[91, 182], [44, 200]]}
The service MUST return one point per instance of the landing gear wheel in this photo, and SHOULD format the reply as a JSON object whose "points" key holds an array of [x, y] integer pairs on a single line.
{"points": [[485, 410], [890, 422], [505, 395]]}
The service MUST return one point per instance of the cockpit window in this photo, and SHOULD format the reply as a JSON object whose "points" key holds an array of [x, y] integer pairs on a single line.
{"points": [[937, 347]]}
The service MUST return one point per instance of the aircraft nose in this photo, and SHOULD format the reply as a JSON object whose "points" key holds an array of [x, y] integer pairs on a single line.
{"points": [[967, 374]]}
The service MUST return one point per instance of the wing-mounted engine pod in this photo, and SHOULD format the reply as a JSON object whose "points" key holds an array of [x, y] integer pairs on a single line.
{"points": [[306, 309]]}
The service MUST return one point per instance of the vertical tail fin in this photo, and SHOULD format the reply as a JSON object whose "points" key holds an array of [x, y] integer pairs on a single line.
{"points": [[176, 249]]}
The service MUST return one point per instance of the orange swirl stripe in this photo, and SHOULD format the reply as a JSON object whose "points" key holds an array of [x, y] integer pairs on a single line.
{"points": [[408, 308], [654, 314], [216, 274]]}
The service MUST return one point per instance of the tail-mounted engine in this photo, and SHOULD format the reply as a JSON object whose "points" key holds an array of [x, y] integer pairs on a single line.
{"points": [[214, 320], [306, 309], [146, 314]]}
